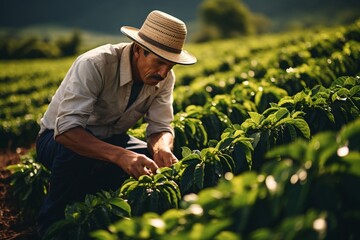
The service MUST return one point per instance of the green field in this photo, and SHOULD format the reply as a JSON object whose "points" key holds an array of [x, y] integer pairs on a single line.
{"points": [[26, 86], [267, 130]]}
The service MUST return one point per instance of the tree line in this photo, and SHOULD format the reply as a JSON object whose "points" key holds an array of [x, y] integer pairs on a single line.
{"points": [[15, 47]]}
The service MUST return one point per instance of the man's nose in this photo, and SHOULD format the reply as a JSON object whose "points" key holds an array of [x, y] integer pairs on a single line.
{"points": [[163, 71]]}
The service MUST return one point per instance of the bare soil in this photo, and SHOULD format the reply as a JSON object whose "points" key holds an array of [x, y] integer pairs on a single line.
{"points": [[13, 224]]}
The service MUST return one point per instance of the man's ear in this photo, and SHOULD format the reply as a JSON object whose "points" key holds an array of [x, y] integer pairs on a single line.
{"points": [[136, 49]]}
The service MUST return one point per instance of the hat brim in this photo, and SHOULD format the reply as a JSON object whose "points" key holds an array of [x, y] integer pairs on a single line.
{"points": [[183, 57]]}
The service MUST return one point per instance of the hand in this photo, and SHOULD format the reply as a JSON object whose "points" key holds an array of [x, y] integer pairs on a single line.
{"points": [[164, 158], [160, 145], [82, 142], [137, 165]]}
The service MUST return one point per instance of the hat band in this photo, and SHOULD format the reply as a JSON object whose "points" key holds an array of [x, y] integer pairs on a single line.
{"points": [[159, 45]]}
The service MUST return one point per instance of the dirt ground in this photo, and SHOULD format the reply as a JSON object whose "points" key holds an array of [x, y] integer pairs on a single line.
{"points": [[13, 225]]}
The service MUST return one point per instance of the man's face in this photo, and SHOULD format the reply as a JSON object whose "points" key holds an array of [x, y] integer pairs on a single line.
{"points": [[151, 69]]}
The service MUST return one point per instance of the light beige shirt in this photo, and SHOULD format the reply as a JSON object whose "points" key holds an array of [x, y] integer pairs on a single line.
{"points": [[96, 90]]}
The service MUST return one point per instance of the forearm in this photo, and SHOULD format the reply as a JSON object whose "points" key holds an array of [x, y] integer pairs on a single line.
{"points": [[160, 146], [160, 141], [85, 144]]}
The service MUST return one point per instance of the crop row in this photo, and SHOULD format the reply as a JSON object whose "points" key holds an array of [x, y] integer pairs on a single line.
{"points": [[305, 185], [26, 88], [293, 66]]}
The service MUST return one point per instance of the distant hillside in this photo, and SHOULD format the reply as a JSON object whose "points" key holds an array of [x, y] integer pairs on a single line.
{"points": [[290, 13], [107, 16]]}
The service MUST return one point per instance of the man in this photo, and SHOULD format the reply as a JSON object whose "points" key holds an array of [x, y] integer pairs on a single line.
{"points": [[83, 138]]}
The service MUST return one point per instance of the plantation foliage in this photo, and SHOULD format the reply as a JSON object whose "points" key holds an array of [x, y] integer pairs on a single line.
{"points": [[267, 134]]}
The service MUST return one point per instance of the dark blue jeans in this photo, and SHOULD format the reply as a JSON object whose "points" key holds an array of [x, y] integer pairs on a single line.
{"points": [[73, 176]]}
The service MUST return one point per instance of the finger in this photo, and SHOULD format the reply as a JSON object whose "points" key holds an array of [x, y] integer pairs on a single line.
{"points": [[169, 162], [162, 162], [148, 171], [151, 166], [174, 160], [138, 172], [168, 159], [159, 160]]}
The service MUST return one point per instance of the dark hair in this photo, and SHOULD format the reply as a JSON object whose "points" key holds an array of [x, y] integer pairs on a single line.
{"points": [[146, 52]]}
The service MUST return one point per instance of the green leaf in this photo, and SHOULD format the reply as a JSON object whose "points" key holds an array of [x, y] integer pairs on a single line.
{"points": [[154, 201], [242, 156], [187, 178], [256, 117], [292, 132], [286, 101], [270, 111], [190, 127], [219, 172], [127, 227], [281, 113], [175, 187], [298, 114], [295, 151], [224, 143], [103, 235], [216, 125], [258, 99], [283, 121], [131, 182], [56, 228], [201, 134], [355, 90], [185, 151], [191, 159], [322, 148], [350, 133], [256, 136], [209, 230], [121, 203], [226, 235], [145, 179], [299, 97], [130, 189], [165, 201], [105, 194], [245, 190], [228, 163], [212, 143], [159, 178], [353, 161], [199, 175], [302, 125], [166, 171], [174, 200], [136, 198], [102, 215]]}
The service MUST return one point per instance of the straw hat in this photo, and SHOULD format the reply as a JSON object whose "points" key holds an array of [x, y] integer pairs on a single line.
{"points": [[163, 35]]}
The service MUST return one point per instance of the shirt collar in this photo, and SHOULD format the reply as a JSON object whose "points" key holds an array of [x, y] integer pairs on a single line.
{"points": [[125, 67]]}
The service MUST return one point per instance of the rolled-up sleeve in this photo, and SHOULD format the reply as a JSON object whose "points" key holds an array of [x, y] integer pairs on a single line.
{"points": [[83, 84], [160, 114]]}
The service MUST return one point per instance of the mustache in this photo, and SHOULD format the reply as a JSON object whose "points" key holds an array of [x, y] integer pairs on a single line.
{"points": [[157, 77]]}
